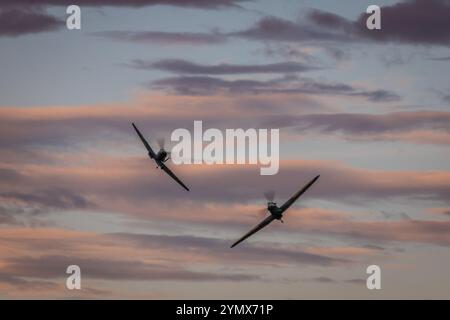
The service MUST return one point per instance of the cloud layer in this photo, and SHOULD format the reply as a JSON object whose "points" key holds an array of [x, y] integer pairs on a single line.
{"points": [[410, 22], [204, 85], [132, 258], [186, 67], [208, 4], [164, 38], [15, 22]]}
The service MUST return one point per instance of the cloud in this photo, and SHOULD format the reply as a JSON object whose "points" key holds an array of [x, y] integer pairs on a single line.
{"points": [[395, 58], [186, 67], [211, 247], [415, 126], [418, 231], [134, 257], [15, 22], [424, 22], [69, 143], [18, 207], [19, 17], [238, 218], [390, 215], [323, 280], [8, 175], [204, 85], [20, 282], [123, 184], [342, 182], [52, 198], [206, 4], [350, 252], [29, 130], [93, 155], [278, 29], [164, 38], [112, 269], [440, 59], [356, 281], [23, 288], [288, 51], [446, 98], [328, 280], [445, 212]]}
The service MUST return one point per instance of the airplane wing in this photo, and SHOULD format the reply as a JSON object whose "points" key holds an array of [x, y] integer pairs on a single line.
{"points": [[170, 173], [151, 153], [288, 203], [261, 225]]}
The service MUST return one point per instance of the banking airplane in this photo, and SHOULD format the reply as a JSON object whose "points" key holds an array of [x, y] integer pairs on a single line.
{"points": [[160, 158], [275, 211]]}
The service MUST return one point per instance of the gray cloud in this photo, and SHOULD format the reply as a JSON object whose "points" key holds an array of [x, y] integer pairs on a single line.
{"points": [[354, 123], [393, 216], [204, 85], [395, 58], [278, 29], [15, 22], [217, 247], [54, 266], [8, 175], [135, 193], [425, 22], [207, 4], [374, 247], [323, 280], [327, 280], [187, 67], [164, 38], [53, 198], [16, 206], [418, 127], [440, 59], [356, 281], [19, 17], [24, 283], [341, 183]]}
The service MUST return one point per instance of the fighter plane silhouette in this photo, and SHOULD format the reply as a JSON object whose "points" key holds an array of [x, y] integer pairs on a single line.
{"points": [[275, 211], [160, 158]]}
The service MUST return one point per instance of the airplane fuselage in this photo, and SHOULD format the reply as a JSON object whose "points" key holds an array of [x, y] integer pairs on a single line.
{"points": [[275, 210], [161, 156]]}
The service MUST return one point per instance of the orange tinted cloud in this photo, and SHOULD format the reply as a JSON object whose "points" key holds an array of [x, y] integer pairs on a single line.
{"points": [[34, 260]]}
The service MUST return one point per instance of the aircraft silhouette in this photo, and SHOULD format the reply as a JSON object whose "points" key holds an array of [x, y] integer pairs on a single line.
{"points": [[275, 211], [160, 158]]}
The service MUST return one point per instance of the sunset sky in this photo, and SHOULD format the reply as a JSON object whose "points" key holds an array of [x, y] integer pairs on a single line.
{"points": [[367, 110]]}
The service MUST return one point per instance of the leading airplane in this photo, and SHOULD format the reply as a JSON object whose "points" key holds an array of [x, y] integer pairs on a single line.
{"points": [[276, 213], [160, 158]]}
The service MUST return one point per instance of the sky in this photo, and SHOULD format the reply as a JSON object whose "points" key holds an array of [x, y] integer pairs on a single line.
{"points": [[368, 110]]}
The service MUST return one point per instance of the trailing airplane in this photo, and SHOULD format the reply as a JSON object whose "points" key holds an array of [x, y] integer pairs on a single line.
{"points": [[160, 157], [276, 213]]}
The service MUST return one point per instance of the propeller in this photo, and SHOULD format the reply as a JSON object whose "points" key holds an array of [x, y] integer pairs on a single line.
{"points": [[161, 143], [269, 195]]}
